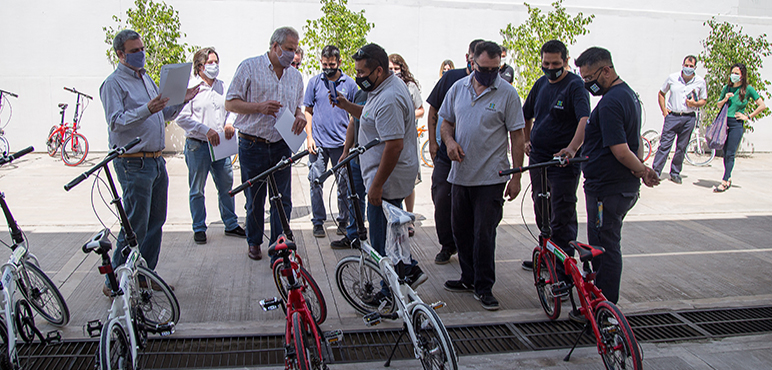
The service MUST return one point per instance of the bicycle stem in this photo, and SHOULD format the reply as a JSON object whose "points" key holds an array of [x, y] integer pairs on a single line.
{"points": [[15, 231], [131, 238]]}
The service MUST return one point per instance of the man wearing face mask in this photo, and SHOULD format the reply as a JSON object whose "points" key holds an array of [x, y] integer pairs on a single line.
{"points": [[134, 108], [506, 71], [481, 113], [556, 113], [439, 153], [613, 173], [203, 119], [261, 89], [326, 131], [688, 92]]}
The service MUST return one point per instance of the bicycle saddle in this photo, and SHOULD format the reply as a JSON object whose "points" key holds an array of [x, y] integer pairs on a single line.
{"points": [[63, 105], [586, 251], [99, 243], [282, 246]]}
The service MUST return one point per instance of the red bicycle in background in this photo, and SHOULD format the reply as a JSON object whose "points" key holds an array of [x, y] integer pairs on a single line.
{"points": [[65, 137]]}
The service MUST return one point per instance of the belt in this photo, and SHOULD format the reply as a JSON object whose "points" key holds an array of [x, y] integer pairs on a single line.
{"points": [[254, 139], [199, 140], [142, 155], [690, 114]]}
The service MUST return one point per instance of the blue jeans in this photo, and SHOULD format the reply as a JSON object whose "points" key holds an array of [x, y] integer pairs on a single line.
{"points": [[145, 185], [734, 135], [359, 187], [378, 226], [255, 158], [199, 166], [317, 164]]}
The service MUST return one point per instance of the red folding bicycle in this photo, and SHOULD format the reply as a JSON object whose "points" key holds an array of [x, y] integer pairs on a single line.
{"points": [[73, 145]]}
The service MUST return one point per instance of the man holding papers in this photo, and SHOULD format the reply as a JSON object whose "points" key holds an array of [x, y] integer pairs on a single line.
{"points": [[134, 108], [204, 120], [262, 87]]}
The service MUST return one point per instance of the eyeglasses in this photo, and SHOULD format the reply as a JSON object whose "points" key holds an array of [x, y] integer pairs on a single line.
{"points": [[590, 77], [486, 69]]}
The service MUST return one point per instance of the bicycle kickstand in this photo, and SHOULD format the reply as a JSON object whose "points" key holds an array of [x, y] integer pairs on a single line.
{"points": [[394, 350], [578, 338]]}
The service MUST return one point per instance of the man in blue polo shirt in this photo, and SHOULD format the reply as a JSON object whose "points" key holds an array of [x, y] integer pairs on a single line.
{"points": [[326, 131]]}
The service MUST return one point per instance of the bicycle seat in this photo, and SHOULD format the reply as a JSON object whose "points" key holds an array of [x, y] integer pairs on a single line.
{"points": [[99, 243], [282, 246], [586, 251], [63, 105]]}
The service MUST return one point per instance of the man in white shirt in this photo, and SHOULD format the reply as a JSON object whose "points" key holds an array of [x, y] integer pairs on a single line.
{"points": [[203, 119], [688, 93]]}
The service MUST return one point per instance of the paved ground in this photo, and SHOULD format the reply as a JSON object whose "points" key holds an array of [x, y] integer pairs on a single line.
{"points": [[684, 247]]}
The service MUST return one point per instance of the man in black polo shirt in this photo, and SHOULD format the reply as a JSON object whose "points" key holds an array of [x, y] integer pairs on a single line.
{"points": [[613, 172], [556, 113], [506, 71], [440, 185]]}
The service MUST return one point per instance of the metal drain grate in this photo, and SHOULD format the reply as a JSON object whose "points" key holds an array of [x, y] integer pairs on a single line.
{"points": [[375, 345]]}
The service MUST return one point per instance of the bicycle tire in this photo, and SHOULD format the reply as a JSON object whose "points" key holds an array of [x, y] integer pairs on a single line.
{"points": [[157, 310], [426, 156], [114, 349], [74, 149], [43, 295], [699, 155], [5, 358], [5, 147], [53, 142], [309, 288], [432, 339], [646, 148], [544, 276], [619, 348], [300, 340], [357, 286]]}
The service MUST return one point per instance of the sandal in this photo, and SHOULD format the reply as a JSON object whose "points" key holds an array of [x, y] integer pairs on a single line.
{"points": [[725, 185], [410, 230]]}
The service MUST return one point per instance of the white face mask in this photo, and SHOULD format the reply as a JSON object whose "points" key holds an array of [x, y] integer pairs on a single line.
{"points": [[688, 71], [212, 70], [734, 78]]}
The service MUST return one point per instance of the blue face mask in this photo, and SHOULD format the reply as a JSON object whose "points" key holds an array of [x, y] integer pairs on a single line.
{"points": [[286, 57], [136, 60]]}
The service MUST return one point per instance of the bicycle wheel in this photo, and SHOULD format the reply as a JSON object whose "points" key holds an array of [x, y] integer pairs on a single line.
{"points": [[698, 153], [426, 156], [5, 148], [434, 346], [5, 359], [544, 276], [74, 149], [158, 303], [619, 348], [646, 148], [300, 340], [43, 295], [359, 284], [309, 288], [53, 142], [114, 349]]}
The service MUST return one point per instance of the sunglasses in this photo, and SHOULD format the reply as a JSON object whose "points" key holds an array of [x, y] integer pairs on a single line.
{"points": [[296, 65], [486, 69]]}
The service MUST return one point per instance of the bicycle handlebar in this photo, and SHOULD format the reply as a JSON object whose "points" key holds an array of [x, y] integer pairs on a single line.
{"points": [[8, 93], [282, 164], [16, 155], [558, 161], [354, 152], [110, 156], [72, 90]]}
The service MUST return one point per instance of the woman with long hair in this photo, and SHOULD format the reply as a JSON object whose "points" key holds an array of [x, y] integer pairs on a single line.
{"points": [[398, 65], [446, 65], [737, 94]]}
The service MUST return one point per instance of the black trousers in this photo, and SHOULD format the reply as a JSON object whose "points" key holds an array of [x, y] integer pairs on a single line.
{"points": [[442, 203]]}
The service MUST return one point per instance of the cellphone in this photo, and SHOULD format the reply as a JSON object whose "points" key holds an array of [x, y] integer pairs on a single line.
{"points": [[333, 91]]}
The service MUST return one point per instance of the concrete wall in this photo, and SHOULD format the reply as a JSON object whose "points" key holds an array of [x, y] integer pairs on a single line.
{"points": [[50, 44]]}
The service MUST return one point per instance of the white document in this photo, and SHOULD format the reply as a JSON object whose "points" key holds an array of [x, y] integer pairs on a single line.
{"points": [[226, 148], [174, 82], [284, 126]]}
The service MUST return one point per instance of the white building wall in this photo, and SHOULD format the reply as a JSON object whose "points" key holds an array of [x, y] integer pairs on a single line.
{"points": [[50, 44]]}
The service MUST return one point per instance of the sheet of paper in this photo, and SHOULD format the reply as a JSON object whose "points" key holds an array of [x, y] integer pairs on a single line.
{"points": [[284, 126], [174, 82], [226, 148]]}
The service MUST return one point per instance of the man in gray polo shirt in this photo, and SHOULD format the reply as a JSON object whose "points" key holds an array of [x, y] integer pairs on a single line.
{"points": [[480, 112]]}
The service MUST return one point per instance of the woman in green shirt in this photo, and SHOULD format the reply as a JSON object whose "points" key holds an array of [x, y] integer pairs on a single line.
{"points": [[736, 93]]}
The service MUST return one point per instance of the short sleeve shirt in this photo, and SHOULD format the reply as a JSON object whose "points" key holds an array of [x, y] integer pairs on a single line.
{"points": [[680, 90], [556, 109], [615, 120], [255, 82], [389, 115], [329, 123], [483, 123], [735, 104]]}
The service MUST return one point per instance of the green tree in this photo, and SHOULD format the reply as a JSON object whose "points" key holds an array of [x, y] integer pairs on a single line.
{"points": [[159, 26], [340, 27], [726, 45], [524, 42]]}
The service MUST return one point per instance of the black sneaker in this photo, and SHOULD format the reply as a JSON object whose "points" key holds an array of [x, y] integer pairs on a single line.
{"points": [[343, 243], [443, 257], [341, 229], [199, 237], [458, 286], [527, 265], [577, 317], [489, 302], [676, 179], [416, 277], [319, 231], [238, 232], [375, 301]]}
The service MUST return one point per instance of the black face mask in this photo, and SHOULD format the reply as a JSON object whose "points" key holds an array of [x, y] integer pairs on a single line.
{"points": [[330, 72], [364, 82], [553, 74], [486, 78], [594, 87]]}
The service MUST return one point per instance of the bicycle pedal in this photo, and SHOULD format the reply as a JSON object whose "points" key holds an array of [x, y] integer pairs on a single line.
{"points": [[93, 328], [333, 336], [164, 330], [54, 337], [372, 318], [270, 304], [561, 289], [437, 305]]}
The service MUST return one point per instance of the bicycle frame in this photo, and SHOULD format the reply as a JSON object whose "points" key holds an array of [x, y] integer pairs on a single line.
{"points": [[9, 297]]}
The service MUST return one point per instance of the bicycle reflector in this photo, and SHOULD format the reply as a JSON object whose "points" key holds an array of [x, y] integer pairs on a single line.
{"points": [[105, 269]]}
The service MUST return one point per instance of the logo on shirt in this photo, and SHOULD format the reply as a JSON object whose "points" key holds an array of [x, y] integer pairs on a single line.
{"points": [[492, 106], [365, 114], [559, 105]]}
